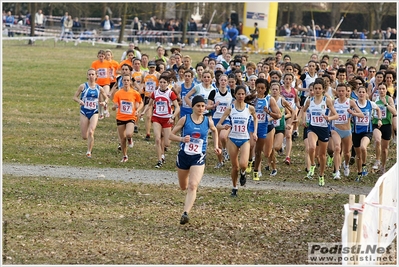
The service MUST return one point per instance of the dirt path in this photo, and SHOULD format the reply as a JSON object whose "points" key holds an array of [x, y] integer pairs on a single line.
{"points": [[169, 177]]}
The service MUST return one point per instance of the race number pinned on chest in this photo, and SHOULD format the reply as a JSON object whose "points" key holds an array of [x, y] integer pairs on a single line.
{"points": [[193, 147], [90, 103], [126, 107], [161, 107]]}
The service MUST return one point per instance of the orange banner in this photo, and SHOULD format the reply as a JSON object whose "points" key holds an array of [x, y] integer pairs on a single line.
{"points": [[334, 46]]}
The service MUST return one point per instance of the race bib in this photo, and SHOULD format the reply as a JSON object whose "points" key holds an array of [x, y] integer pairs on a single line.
{"points": [[363, 121], [90, 104], [276, 123], [194, 147], [150, 86], [261, 117], [102, 73], [161, 108], [126, 107]]}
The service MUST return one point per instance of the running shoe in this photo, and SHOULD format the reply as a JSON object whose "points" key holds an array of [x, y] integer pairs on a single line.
{"points": [[101, 116], [255, 176], [294, 136], [281, 152], [346, 170], [119, 147], [249, 168], [130, 142], [88, 154], [311, 172], [234, 192], [243, 178], [159, 165], [358, 177], [351, 160], [225, 154], [163, 159], [330, 161], [136, 129], [287, 160], [184, 218], [364, 171], [382, 170], [273, 173], [106, 113], [147, 137], [321, 181], [376, 165], [337, 175], [219, 165], [267, 168], [124, 159], [259, 174]]}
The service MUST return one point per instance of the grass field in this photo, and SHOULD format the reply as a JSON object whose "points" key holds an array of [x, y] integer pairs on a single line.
{"points": [[57, 221]]}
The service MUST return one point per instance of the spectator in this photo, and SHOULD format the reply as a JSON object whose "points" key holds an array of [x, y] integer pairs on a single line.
{"points": [[232, 34], [68, 23], [377, 34], [9, 23], [294, 30], [76, 27], [363, 36], [63, 18], [323, 32], [393, 34], [27, 18], [338, 34], [387, 33], [354, 35], [20, 20], [135, 26], [40, 20], [106, 26], [192, 27]]}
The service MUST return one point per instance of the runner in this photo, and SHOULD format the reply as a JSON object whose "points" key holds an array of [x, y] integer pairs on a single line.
{"points": [[280, 124], [222, 99], [183, 89], [362, 131], [162, 118], [191, 157], [103, 68], [128, 103], [341, 129], [305, 117], [90, 94], [321, 112], [382, 134], [290, 94], [265, 107], [161, 55], [239, 113], [205, 89], [151, 82]]}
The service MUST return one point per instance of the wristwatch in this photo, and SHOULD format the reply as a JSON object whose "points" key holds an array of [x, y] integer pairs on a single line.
{"points": [[386, 104]]}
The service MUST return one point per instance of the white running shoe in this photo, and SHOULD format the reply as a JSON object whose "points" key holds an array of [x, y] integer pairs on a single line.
{"points": [[376, 165], [219, 165], [337, 175], [346, 170], [130, 142], [124, 159]]}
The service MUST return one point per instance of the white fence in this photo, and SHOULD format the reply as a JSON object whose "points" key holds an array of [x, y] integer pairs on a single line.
{"points": [[376, 219]]}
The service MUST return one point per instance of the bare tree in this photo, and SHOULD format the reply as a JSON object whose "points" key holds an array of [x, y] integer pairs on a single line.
{"points": [[122, 30], [32, 10]]}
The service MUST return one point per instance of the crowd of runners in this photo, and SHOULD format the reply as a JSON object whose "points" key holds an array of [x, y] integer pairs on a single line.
{"points": [[252, 109]]}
